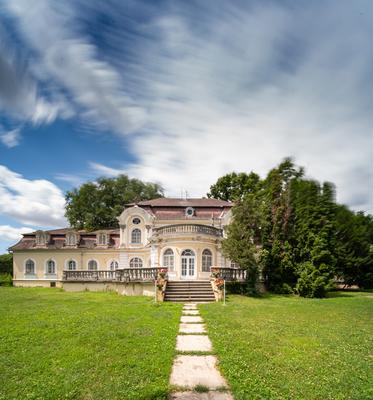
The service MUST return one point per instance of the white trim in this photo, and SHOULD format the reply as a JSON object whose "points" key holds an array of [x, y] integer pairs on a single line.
{"points": [[46, 267], [66, 267], [24, 267], [109, 264], [98, 264], [140, 258], [38, 279]]}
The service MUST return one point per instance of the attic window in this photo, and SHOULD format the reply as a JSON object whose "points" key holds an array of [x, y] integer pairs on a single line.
{"points": [[71, 239], [102, 239], [41, 238], [136, 221], [189, 211]]}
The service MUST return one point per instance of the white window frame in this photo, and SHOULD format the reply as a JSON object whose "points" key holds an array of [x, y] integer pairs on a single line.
{"points": [[138, 261], [111, 262], [104, 236], [34, 268], [68, 262], [138, 237], [47, 266], [71, 239], [206, 260], [97, 265], [169, 259]]}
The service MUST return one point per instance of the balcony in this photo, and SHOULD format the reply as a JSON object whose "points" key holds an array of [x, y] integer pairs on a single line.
{"points": [[184, 229], [119, 275]]}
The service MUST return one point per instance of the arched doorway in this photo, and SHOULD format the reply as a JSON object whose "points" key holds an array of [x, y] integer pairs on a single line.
{"points": [[188, 261]]}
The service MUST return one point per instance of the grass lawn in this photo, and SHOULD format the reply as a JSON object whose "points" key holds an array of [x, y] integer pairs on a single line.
{"points": [[280, 347], [57, 345]]}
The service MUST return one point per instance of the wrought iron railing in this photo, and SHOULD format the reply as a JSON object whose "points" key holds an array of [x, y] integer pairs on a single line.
{"points": [[229, 274], [119, 275], [189, 228]]}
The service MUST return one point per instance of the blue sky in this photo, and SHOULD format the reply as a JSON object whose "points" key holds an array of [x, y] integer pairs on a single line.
{"points": [[179, 93]]}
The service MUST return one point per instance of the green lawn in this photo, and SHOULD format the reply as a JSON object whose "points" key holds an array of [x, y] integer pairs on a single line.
{"points": [[280, 347], [57, 345]]}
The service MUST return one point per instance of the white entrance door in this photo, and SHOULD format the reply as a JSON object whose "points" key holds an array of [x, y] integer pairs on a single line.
{"points": [[188, 261]]}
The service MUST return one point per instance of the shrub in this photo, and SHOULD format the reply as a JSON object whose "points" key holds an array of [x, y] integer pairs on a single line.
{"points": [[312, 281], [283, 289], [6, 280]]}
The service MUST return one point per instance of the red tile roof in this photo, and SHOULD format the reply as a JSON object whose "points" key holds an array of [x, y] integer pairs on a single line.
{"points": [[172, 202]]}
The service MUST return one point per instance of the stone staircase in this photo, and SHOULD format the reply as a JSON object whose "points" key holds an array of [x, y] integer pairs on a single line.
{"points": [[184, 291]]}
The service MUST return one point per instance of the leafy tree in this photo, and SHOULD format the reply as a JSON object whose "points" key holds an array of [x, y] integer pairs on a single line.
{"points": [[234, 186], [96, 205], [302, 238], [6, 263], [242, 234]]}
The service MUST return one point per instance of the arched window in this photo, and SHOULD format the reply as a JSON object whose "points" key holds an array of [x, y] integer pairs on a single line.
{"points": [[50, 267], [136, 262], [136, 236], [114, 265], [29, 267], [92, 265], [206, 260], [169, 260], [71, 265], [188, 252]]}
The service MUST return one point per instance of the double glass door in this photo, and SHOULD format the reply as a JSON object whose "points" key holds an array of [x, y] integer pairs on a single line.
{"points": [[188, 259]]}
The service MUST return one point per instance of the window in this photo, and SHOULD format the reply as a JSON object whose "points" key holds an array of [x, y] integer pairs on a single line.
{"points": [[102, 239], [41, 238], [136, 221], [136, 262], [168, 260], [234, 265], [114, 265], [71, 265], [71, 239], [136, 236], [30, 267], [92, 265], [206, 260], [50, 267], [189, 211]]}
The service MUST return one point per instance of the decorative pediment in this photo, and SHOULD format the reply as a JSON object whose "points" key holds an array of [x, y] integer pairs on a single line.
{"points": [[42, 238], [131, 212], [72, 238]]}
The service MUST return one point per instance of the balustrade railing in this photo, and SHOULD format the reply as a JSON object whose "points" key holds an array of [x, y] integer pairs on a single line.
{"points": [[119, 275], [229, 274], [189, 228]]}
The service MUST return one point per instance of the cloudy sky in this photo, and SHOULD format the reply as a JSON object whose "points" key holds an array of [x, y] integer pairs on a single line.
{"points": [[179, 92]]}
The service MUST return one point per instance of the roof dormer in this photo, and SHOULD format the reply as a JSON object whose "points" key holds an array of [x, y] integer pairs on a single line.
{"points": [[41, 238]]}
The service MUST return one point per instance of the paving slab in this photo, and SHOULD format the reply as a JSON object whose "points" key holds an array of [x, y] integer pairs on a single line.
{"points": [[192, 328], [193, 343], [191, 319], [190, 312], [212, 395], [192, 307], [190, 371]]}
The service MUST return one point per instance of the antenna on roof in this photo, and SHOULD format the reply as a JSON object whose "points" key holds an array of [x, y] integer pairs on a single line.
{"points": [[186, 195]]}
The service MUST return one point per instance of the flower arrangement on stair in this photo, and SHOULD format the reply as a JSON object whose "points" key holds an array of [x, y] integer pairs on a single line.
{"points": [[217, 283], [161, 283]]}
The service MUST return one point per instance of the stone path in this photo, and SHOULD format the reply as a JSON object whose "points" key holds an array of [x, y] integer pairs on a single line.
{"points": [[192, 370]]}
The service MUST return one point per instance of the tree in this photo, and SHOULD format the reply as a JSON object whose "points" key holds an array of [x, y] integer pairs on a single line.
{"points": [[6, 263], [96, 205], [234, 186], [242, 234]]}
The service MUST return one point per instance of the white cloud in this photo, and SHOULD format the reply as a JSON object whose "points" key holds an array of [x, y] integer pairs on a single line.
{"points": [[11, 138], [36, 202], [11, 234], [103, 170], [256, 84], [69, 60]]}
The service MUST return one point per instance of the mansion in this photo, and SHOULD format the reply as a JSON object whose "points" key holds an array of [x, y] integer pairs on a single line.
{"points": [[182, 235]]}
